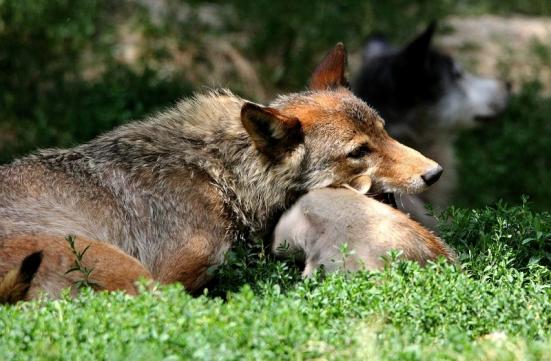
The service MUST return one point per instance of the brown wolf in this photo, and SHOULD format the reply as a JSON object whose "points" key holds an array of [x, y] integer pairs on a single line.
{"points": [[324, 220], [175, 190]]}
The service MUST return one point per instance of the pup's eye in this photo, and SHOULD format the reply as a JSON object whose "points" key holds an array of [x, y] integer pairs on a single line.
{"points": [[359, 152]]}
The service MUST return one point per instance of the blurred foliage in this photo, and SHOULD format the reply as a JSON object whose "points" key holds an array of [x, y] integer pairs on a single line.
{"points": [[295, 34], [510, 157], [47, 97], [298, 33]]}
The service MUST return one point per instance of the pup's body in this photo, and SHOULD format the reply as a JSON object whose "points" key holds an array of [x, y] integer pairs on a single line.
{"points": [[176, 190], [426, 98], [323, 220], [111, 268]]}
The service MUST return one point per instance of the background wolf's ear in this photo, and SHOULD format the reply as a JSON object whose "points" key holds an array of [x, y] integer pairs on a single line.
{"points": [[273, 133], [330, 73], [416, 52]]}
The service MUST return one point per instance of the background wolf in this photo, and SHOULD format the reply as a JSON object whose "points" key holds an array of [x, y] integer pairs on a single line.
{"points": [[426, 99]]}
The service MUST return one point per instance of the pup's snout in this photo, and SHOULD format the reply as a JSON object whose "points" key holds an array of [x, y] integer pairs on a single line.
{"points": [[432, 175]]}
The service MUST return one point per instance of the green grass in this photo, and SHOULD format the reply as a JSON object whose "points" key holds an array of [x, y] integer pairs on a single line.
{"points": [[402, 313]]}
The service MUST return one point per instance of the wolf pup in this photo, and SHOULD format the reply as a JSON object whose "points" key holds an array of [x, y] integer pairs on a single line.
{"points": [[426, 98], [324, 220], [31, 265], [175, 190]]}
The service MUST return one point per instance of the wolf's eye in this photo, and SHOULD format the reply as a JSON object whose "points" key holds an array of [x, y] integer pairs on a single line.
{"points": [[359, 152]]}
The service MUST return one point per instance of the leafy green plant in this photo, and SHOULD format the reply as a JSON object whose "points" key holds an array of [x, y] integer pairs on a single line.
{"points": [[501, 237], [252, 263], [78, 266]]}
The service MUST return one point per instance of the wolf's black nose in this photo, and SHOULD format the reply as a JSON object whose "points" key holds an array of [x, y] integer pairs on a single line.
{"points": [[432, 175]]}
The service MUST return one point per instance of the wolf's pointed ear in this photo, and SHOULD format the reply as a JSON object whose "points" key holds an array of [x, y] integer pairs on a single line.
{"points": [[418, 49], [273, 133], [330, 73]]}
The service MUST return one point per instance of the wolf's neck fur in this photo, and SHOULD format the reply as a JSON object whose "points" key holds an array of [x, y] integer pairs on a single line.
{"points": [[203, 134]]}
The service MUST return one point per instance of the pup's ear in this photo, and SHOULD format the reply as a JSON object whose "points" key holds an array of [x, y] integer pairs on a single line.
{"points": [[273, 133], [330, 73], [416, 52]]}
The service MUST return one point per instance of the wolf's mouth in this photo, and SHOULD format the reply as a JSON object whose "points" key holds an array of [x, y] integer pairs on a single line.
{"points": [[386, 198]]}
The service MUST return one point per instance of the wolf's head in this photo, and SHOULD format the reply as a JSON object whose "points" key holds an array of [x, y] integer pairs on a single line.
{"points": [[326, 136], [424, 87]]}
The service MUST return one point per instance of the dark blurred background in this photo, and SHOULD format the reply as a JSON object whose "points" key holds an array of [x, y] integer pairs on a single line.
{"points": [[70, 70]]}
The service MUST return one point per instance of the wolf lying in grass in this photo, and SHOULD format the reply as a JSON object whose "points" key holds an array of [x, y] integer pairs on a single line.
{"points": [[174, 191]]}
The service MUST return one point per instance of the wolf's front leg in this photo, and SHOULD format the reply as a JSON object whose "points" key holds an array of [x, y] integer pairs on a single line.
{"points": [[189, 263]]}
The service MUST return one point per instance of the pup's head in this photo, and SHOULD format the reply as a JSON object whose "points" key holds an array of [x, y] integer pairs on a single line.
{"points": [[418, 82], [328, 137]]}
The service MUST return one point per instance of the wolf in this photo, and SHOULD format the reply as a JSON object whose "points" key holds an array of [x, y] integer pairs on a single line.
{"points": [[426, 98], [324, 221], [177, 189]]}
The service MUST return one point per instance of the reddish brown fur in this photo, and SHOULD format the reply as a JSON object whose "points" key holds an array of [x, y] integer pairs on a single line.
{"points": [[112, 269], [330, 73], [188, 266], [14, 286], [390, 162], [12, 290]]}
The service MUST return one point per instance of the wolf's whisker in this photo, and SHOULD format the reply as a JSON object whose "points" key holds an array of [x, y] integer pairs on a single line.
{"points": [[401, 200]]}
